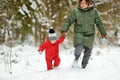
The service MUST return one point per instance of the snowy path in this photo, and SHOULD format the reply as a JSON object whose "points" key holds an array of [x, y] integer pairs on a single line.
{"points": [[103, 66], [68, 74]]}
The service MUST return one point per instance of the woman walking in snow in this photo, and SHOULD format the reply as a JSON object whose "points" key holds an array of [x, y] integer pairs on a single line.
{"points": [[51, 47], [84, 17]]}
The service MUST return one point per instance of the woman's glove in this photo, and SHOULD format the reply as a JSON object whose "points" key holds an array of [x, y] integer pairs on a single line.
{"points": [[103, 39]]}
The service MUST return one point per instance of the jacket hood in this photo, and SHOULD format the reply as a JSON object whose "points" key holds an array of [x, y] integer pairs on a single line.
{"points": [[91, 6]]}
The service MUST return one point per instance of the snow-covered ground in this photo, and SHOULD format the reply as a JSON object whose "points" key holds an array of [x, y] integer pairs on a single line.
{"points": [[104, 64]]}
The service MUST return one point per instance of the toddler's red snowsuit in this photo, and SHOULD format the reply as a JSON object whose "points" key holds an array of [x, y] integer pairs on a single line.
{"points": [[51, 52]]}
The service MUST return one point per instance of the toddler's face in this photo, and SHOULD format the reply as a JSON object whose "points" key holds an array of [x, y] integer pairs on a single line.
{"points": [[53, 41]]}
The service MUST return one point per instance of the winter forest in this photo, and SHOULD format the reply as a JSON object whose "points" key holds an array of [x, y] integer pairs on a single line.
{"points": [[24, 25], [28, 20]]}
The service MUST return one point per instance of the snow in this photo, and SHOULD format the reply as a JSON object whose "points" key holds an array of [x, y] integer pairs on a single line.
{"points": [[30, 65], [24, 10], [42, 5], [21, 11], [34, 5], [30, 1], [24, 7]]}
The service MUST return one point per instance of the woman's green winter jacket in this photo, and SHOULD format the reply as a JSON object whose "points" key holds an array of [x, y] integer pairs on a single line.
{"points": [[84, 25]]}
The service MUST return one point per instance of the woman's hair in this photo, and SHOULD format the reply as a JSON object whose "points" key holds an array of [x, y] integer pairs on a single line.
{"points": [[87, 1]]}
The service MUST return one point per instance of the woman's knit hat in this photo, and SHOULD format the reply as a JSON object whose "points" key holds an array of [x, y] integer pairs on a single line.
{"points": [[51, 34]]}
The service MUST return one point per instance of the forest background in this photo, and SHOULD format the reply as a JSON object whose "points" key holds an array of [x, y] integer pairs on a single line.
{"points": [[28, 21]]}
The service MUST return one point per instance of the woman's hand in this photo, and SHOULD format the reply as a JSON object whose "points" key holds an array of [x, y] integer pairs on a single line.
{"points": [[104, 36], [63, 34]]}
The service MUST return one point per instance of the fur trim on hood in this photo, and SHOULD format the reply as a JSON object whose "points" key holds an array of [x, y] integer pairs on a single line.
{"points": [[91, 6]]}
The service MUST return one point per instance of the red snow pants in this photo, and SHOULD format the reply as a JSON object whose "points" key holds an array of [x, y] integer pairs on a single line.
{"points": [[54, 62]]}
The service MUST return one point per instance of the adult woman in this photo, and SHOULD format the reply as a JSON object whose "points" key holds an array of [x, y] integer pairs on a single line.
{"points": [[84, 17]]}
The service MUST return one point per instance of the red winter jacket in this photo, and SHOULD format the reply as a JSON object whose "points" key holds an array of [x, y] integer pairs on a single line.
{"points": [[51, 50]]}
